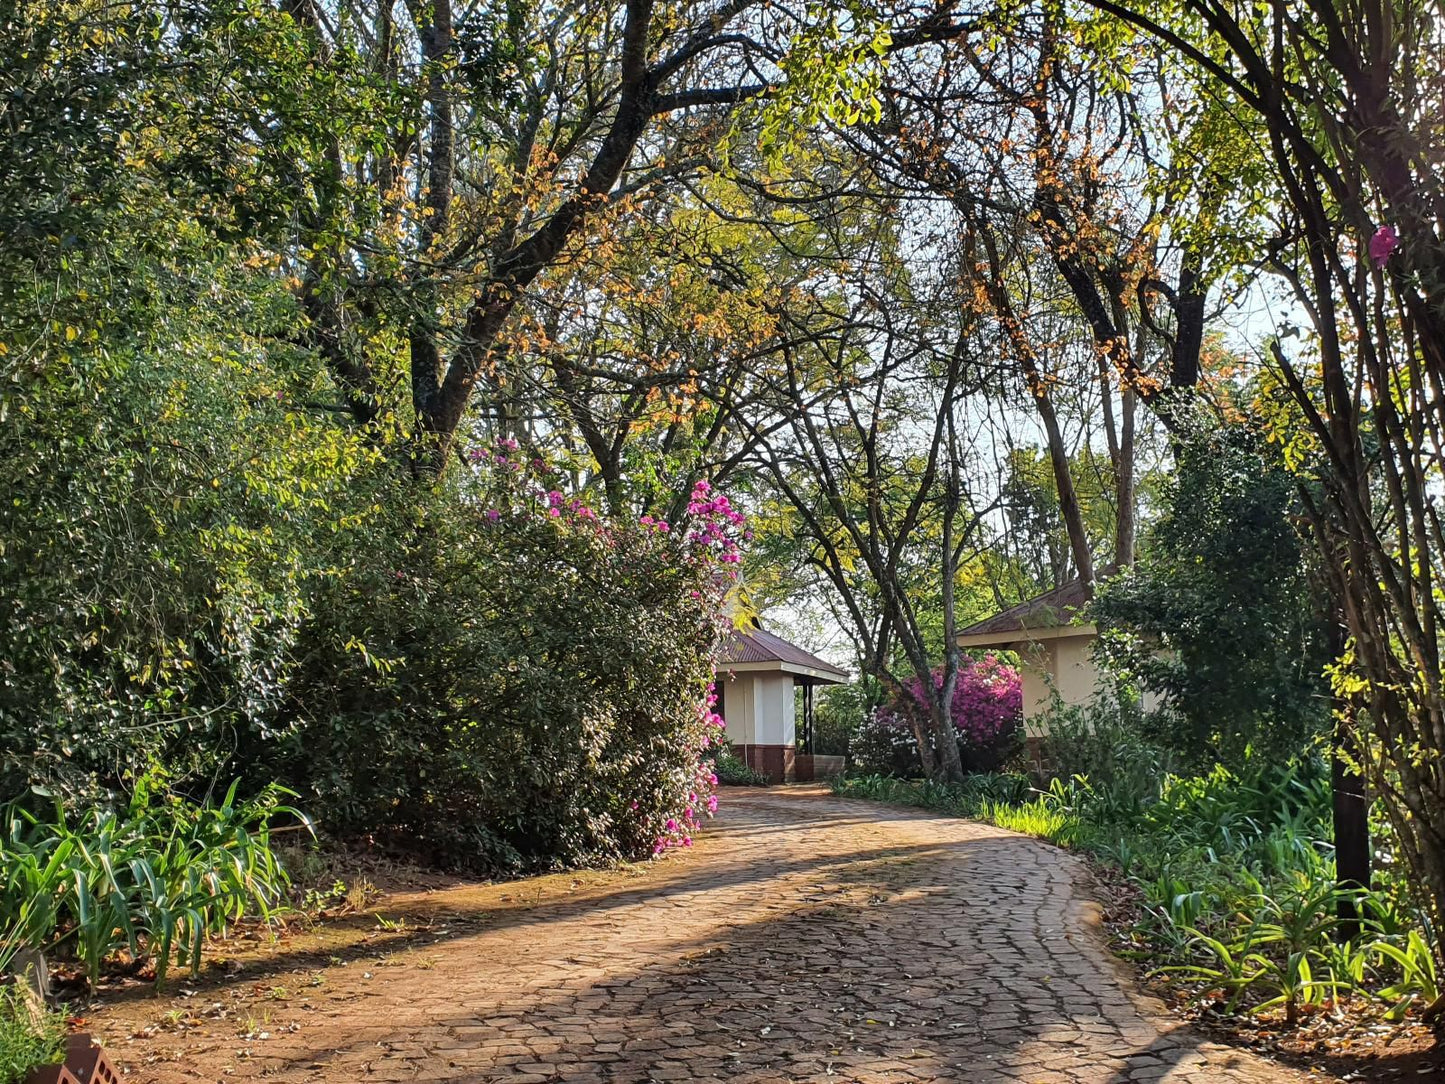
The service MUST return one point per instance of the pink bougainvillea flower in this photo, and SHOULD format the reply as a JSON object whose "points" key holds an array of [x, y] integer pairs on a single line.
{"points": [[1383, 245], [987, 701], [707, 544]]}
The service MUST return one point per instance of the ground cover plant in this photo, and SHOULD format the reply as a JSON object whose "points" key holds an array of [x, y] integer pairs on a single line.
{"points": [[733, 771], [31, 1035]]}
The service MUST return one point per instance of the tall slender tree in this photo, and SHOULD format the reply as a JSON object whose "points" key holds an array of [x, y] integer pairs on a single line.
{"points": [[1343, 101]]}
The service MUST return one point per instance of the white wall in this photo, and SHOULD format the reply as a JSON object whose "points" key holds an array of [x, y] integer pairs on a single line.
{"points": [[738, 708], [1061, 665], [759, 708], [776, 710], [1075, 675], [1064, 665], [1036, 662]]}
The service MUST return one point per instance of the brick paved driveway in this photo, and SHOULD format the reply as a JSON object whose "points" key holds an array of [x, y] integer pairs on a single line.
{"points": [[805, 938]]}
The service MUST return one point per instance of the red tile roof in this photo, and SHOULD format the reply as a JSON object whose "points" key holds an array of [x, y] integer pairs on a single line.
{"points": [[755, 645], [1061, 606]]}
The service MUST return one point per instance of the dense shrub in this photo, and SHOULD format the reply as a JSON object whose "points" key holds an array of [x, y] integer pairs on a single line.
{"points": [[884, 747], [1219, 616], [732, 771], [505, 681], [205, 572], [838, 713], [1109, 738], [167, 495], [987, 715]]}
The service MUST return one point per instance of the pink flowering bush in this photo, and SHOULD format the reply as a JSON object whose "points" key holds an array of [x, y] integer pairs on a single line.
{"points": [[534, 686], [987, 716]]}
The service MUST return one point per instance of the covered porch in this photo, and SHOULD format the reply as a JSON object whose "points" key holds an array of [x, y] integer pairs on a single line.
{"points": [[769, 724]]}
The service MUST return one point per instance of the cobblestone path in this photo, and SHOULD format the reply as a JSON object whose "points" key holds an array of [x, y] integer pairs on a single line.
{"points": [[805, 938]]}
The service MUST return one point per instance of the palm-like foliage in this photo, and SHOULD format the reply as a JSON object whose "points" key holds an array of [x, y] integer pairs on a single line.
{"points": [[157, 880]]}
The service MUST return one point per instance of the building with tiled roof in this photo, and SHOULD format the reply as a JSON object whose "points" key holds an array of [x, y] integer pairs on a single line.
{"points": [[1054, 641], [758, 674], [753, 650]]}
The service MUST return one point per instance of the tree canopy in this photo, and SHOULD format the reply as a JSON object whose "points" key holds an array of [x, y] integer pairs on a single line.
{"points": [[360, 366]]}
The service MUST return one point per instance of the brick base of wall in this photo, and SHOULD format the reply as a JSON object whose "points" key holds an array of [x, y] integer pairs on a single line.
{"points": [[810, 766], [1034, 750], [777, 762]]}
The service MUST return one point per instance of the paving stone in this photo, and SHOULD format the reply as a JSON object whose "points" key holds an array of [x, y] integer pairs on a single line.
{"points": [[804, 938]]}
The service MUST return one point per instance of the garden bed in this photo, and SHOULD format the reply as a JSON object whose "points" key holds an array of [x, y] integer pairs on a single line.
{"points": [[1343, 1041]]}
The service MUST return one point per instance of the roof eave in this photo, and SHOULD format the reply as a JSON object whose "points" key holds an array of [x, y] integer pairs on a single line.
{"points": [[820, 677], [777, 666], [1008, 638]]}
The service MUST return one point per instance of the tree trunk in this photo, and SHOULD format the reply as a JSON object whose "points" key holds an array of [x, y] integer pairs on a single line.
{"points": [[1352, 826], [923, 735], [950, 764], [1126, 519], [952, 761], [998, 295], [1349, 797], [1064, 480]]}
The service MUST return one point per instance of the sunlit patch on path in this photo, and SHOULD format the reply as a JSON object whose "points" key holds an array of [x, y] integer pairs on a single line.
{"points": [[805, 938]]}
